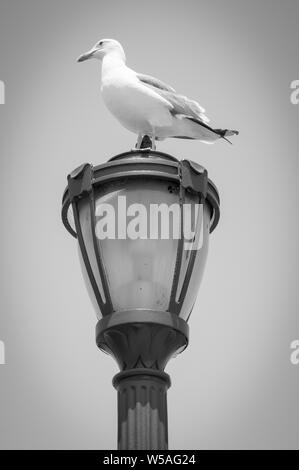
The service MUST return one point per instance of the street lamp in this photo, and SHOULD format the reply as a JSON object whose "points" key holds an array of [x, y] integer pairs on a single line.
{"points": [[143, 288]]}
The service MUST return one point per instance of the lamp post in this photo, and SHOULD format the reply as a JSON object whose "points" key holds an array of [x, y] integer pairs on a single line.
{"points": [[143, 289]]}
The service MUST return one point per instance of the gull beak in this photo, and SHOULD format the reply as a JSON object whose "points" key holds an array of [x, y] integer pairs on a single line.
{"points": [[86, 56]]}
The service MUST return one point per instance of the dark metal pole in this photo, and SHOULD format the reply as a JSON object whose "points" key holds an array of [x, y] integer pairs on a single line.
{"points": [[142, 342], [142, 409]]}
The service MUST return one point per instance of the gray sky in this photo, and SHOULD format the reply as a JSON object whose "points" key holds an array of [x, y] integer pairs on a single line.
{"points": [[234, 387]]}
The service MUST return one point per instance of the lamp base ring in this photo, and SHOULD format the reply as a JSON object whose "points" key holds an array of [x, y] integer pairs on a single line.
{"points": [[142, 338]]}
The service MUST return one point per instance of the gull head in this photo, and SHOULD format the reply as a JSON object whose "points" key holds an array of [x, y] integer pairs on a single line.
{"points": [[101, 49]]}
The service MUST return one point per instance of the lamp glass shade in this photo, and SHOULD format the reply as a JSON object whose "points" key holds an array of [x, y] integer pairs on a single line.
{"points": [[139, 270], [138, 226]]}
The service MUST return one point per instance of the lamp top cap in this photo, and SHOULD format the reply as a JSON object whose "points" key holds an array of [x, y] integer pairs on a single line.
{"points": [[143, 153], [143, 163]]}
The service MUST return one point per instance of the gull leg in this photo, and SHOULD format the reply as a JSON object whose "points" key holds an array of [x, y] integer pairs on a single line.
{"points": [[153, 142], [146, 143]]}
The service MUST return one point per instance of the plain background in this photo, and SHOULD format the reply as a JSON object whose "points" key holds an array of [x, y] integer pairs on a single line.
{"points": [[234, 387]]}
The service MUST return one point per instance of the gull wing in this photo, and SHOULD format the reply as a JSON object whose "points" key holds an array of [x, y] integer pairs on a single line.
{"points": [[181, 105], [185, 107], [154, 82]]}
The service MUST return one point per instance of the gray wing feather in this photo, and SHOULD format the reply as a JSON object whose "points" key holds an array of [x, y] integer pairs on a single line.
{"points": [[154, 82], [183, 106]]}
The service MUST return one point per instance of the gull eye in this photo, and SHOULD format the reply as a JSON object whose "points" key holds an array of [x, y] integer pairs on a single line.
{"points": [[101, 43]]}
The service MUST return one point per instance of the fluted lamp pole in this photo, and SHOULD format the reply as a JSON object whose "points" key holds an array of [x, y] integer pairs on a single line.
{"points": [[144, 287]]}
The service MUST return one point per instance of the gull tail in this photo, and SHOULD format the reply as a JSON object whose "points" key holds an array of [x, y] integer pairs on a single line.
{"points": [[225, 133], [188, 127], [207, 134]]}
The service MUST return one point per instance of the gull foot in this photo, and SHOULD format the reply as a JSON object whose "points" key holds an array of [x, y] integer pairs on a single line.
{"points": [[145, 144]]}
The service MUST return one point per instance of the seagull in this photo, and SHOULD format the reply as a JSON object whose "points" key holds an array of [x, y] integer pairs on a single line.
{"points": [[147, 106]]}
